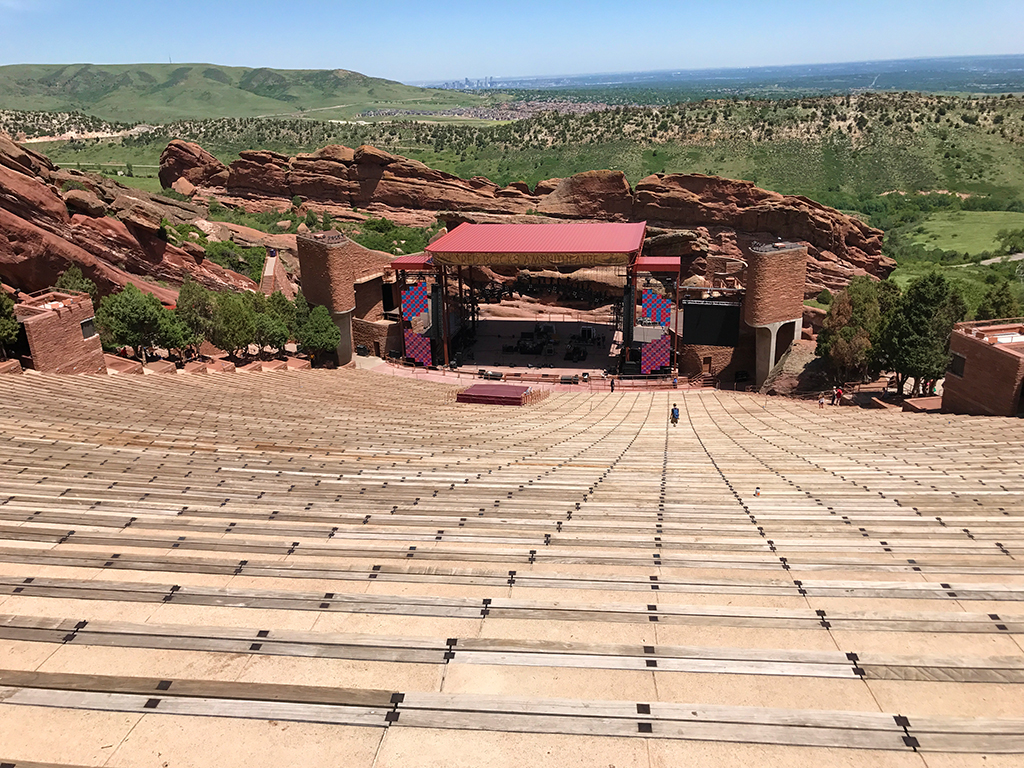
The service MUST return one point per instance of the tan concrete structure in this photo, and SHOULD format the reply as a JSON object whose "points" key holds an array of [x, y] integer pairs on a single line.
{"points": [[263, 571]]}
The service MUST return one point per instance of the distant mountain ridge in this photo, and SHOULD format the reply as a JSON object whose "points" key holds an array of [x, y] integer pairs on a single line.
{"points": [[164, 92]]}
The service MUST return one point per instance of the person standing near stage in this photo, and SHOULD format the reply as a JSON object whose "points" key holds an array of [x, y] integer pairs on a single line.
{"points": [[674, 414], [613, 386]]}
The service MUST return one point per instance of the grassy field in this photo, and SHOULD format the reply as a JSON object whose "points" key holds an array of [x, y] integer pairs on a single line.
{"points": [[158, 93], [823, 148], [972, 280], [970, 232]]}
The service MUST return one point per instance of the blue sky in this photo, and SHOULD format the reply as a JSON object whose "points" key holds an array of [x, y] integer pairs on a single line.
{"points": [[448, 39]]}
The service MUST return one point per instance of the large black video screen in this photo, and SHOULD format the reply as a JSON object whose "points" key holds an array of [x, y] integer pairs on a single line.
{"points": [[711, 325]]}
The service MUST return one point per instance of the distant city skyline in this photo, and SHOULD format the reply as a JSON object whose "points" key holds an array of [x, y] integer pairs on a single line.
{"points": [[450, 40]]}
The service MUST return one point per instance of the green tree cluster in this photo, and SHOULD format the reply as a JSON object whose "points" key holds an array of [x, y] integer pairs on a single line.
{"points": [[8, 325], [235, 321], [319, 334], [131, 318], [1010, 241], [998, 302], [72, 280], [873, 327]]}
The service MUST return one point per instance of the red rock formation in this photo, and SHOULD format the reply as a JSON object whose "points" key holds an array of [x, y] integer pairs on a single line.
{"points": [[694, 200], [186, 160], [691, 216], [39, 238], [590, 195]]}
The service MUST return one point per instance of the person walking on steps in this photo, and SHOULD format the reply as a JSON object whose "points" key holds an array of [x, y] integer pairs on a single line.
{"points": [[674, 414]]}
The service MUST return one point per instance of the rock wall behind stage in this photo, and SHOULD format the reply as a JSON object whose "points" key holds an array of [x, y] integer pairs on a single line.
{"points": [[691, 216]]}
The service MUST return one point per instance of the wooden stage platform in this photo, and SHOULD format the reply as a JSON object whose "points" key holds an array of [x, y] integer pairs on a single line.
{"points": [[493, 394]]}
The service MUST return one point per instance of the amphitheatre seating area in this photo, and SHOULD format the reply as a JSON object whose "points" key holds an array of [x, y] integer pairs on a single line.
{"points": [[348, 568]]}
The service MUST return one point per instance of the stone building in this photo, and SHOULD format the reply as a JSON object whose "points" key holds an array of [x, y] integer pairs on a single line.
{"points": [[743, 319], [986, 369], [61, 333], [354, 284], [774, 301]]}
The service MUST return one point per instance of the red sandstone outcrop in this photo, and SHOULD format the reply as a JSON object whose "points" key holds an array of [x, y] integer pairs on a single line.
{"points": [[189, 161], [695, 200], [590, 195], [39, 238], [690, 216]]}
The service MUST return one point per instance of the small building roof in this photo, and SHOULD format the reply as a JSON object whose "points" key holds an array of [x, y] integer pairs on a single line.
{"points": [[413, 261], [658, 264], [540, 245]]}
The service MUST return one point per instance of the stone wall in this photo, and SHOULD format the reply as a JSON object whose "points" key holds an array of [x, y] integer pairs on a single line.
{"points": [[725, 361], [370, 300], [387, 334], [774, 282], [326, 274], [331, 264], [991, 382], [56, 342]]}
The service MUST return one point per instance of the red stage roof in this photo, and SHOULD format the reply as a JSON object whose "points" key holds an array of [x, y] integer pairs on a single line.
{"points": [[413, 261], [542, 238], [658, 264], [576, 243]]}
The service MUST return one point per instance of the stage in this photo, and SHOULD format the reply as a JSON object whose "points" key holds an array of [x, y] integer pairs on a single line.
{"points": [[558, 346]]}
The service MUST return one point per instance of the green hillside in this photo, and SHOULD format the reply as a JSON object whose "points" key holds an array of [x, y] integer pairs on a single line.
{"points": [[160, 93]]}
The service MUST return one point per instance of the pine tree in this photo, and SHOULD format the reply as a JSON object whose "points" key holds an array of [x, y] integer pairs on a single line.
{"points": [[8, 324], [234, 323], [270, 332], [135, 319], [913, 339], [319, 334], [72, 280], [195, 312], [998, 302], [283, 310], [300, 315], [852, 319]]}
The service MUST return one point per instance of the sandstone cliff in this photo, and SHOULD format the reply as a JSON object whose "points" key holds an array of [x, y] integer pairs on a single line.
{"points": [[690, 216], [110, 231]]}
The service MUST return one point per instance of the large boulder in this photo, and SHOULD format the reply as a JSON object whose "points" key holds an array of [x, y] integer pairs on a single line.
{"points": [[83, 201], [696, 200], [22, 160], [39, 238], [187, 160], [184, 187], [590, 195]]}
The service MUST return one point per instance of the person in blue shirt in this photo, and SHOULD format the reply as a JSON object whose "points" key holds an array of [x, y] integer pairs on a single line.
{"points": [[675, 414]]}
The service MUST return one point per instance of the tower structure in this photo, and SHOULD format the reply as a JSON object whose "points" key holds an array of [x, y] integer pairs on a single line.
{"points": [[774, 301]]}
